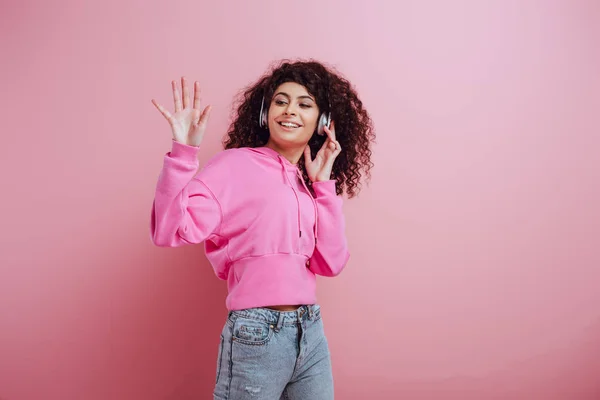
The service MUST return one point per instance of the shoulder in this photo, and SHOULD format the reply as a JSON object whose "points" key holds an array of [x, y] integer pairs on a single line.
{"points": [[229, 158], [228, 172], [226, 164]]}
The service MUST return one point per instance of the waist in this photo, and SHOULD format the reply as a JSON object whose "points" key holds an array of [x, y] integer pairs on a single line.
{"points": [[279, 318], [284, 307]]}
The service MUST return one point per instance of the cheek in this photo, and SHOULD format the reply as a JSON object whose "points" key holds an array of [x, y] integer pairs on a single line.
{"points": [[273, 112], [312, 118]]}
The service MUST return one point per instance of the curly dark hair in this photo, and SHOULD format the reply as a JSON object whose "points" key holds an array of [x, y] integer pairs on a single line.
{"points": [[353, 125]]}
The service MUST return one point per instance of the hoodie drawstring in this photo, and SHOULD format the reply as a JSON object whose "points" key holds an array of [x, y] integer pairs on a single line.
{"points": [[298, 198], [295, 194], [313, 201]]}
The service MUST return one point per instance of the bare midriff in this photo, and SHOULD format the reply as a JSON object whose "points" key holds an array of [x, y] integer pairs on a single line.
{"points": [[285, 308]]}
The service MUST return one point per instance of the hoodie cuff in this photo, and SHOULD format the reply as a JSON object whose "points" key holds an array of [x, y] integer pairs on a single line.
{"points": [[324, 188], [184, 152]]}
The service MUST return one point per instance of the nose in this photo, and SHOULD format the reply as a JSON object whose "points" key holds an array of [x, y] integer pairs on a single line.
{"points": [[289, 110]]}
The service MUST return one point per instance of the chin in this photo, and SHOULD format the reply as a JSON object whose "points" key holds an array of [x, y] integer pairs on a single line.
{"points": [[290, 138]]}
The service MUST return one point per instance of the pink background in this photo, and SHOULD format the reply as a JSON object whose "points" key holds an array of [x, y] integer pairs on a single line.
{"points": [[475, 266]]}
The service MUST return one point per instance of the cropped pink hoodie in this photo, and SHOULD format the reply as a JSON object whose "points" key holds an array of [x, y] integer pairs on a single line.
{"points": [[263, 231]]}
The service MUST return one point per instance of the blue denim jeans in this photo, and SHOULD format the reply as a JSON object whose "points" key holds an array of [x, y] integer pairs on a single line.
{"points": [[274, 355]]}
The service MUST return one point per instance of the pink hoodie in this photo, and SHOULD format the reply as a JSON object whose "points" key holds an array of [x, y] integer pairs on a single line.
{"points": [[263, 231]]}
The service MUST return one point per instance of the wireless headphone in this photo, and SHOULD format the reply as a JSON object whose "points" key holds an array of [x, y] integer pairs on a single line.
{"points": [[324, 119]]}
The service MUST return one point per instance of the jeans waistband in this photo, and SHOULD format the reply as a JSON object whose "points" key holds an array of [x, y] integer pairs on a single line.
{"points": [[279, 318]]}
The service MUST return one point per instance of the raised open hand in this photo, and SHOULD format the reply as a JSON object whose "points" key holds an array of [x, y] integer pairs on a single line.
{"points": [[188, 124]]}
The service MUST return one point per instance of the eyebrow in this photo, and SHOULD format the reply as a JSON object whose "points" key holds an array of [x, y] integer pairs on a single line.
{"points": [[300, 97]]}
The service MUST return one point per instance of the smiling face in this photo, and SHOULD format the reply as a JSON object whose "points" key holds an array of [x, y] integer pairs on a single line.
{"points": [[292, 117]]}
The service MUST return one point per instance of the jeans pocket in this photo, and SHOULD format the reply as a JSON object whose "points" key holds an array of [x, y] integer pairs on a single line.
{"points": [[252, 332]]}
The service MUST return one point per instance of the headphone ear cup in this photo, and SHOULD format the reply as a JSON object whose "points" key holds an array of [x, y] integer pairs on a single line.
{"points": [[262, 118], [324, 121]]}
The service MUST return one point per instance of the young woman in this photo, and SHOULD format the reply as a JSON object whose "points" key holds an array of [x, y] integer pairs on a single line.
{"points": [[269, 211]]}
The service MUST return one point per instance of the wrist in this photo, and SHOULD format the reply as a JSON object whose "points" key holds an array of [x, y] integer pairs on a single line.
{"points": [[183, 151], [324, 188], [322, 178]]}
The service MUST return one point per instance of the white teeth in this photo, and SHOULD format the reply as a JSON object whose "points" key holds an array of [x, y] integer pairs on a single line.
{"points": [[289, 125]]}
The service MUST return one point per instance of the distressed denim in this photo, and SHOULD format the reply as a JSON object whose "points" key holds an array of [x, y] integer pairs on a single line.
{"points": [[274, 355]]}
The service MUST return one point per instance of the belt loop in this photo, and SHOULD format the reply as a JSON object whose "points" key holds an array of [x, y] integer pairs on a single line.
{"points": [[279, 321], [310, 312]]}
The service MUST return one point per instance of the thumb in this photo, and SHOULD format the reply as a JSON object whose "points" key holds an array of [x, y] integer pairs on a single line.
{"points": [[307, 157], [199, 124], [204, 116]]}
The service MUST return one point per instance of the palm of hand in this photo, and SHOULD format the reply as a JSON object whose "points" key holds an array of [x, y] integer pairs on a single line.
{"points": [[183, 124], [320, 168]]}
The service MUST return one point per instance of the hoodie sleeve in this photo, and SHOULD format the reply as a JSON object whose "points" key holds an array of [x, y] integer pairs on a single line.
{"points": [[185, 211], [331, 250]]}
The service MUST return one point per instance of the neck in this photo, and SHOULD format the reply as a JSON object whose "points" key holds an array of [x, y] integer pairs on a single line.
{"points": [[292, 154]]}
